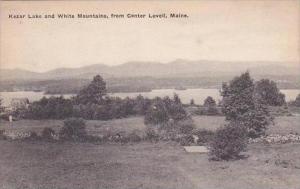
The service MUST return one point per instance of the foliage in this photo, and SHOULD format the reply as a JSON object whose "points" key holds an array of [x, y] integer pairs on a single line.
{"points": [[186, 140], [152, 134], [134, 137], [163, 110], [73, 129], [166, 119], [110, 108], [1, 107], [257, 120], [228, 142], [204, 136], [240, 104], [192, 102], [296, 102], [48, 133], [50, 108], [268, 93], [210, 107], [157, 113], [2, 136], [93, 93], [238, 96]]}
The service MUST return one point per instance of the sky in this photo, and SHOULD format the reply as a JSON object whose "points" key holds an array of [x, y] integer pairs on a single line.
{"points": [[214, 30]]}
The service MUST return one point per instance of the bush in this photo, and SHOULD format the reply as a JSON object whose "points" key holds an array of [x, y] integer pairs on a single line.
{"points": [[2, 136], [157, 113], [134, 137], [172, 130], [50, 108], [296, 102], [167, 119], [204, 136], [73, 129], [228, 142], [48, 133], [184, 126], [32, 136], [186, 140], [152, 134]]}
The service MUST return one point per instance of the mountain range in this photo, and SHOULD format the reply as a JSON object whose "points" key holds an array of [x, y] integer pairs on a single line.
{"points": [[177, 68]]}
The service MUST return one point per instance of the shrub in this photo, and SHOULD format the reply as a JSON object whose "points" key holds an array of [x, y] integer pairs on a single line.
{"points": [[134, 137], [296, 102], [228, 142], [204, 136], [152, 134], [184, 126], [186, 140], [32, 136], [73, 129], [167, 119], [48, 133], [171, 130], [157, 113], [2, 136], [50, 108]]}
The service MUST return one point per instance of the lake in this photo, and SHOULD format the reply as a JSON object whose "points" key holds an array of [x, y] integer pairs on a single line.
{"points": [[185, 95]]}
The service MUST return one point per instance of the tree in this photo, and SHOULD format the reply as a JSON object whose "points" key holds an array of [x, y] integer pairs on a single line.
{"points": [[1, 107], [209, 102], [50, 108], [237, 96], [93, 93], [157, 113], [268, 93], [210, 106], [297, 101], [192, 102], [176, 99], [239, 104]]}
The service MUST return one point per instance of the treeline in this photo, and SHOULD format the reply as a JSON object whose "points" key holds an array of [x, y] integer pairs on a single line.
{"points": [[110, 108], [92, 102], [134, 84]]}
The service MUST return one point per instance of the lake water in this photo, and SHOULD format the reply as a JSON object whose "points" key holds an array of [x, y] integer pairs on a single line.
{"points": [[185, 95]]}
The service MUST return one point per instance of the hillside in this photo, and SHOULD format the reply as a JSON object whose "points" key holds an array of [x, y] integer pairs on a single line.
{"points": [[144, 76], [177, 68]]}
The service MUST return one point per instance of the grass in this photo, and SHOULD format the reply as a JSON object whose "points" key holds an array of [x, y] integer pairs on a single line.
{"points": [[282, 125], [38, 164], [143, 165]]}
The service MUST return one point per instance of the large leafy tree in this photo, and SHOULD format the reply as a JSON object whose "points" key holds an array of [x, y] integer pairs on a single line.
{"points": [[210, 106], [238, 96], [240, 104], [268, 93], [93, 93]]}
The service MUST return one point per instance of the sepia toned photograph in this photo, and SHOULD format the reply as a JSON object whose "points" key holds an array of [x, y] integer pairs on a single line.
{"points": [[150, 94]]}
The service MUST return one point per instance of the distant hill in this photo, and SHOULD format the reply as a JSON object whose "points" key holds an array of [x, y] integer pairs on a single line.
{"points": [[145, 76], [177, 68]]}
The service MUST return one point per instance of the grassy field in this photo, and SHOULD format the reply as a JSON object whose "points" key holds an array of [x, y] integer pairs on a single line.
{"points": [[282, 125], [38, 164], [143, 165]]}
